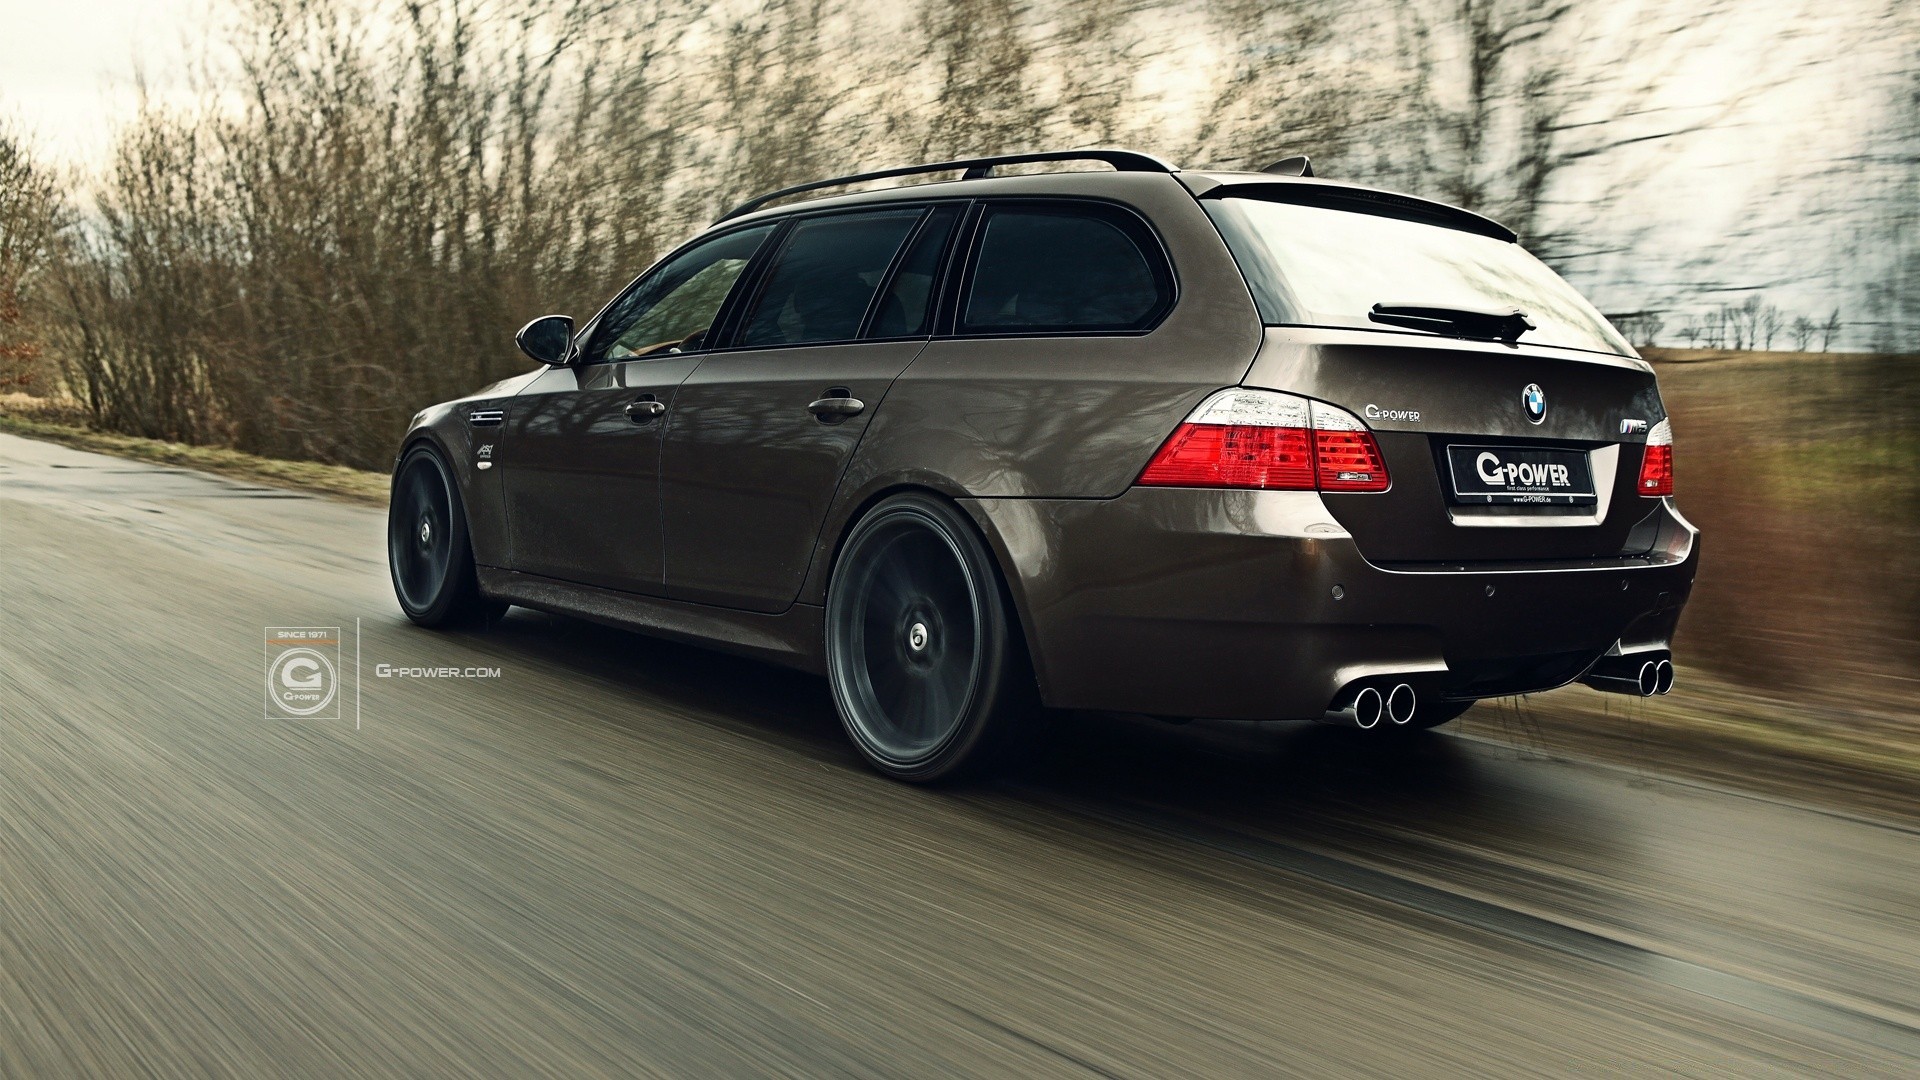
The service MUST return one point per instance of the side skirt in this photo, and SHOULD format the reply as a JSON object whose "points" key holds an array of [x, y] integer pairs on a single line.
{"points": [[794, 638]]}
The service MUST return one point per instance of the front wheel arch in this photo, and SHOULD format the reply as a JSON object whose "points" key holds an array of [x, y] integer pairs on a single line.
{"points": [[450, 595]]}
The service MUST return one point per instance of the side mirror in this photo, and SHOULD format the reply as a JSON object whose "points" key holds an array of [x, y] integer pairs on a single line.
{"points": [[548, 339]]}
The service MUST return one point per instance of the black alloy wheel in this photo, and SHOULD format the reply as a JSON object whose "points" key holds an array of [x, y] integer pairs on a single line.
{"points": [[428, 551], [927, 668]]}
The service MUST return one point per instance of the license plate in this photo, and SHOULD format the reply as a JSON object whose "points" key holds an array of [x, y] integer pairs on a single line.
{"points": [[1520, 475]]}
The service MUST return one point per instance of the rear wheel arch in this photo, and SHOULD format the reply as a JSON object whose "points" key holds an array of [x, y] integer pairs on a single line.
{"points": [[952, 695], [984, 530]]}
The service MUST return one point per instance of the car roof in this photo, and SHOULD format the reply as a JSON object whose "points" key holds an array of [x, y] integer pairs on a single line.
{"points": [[1133, 172]]}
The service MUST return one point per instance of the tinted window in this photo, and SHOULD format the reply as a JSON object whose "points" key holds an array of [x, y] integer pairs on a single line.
{"points": [[824, 277], [672, 309], [1320, 266], [906, 308], [1064, 270]]}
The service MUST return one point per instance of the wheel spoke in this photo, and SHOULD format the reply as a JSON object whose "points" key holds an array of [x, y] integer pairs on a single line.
{"points": [[421, 565], [907, 624]]}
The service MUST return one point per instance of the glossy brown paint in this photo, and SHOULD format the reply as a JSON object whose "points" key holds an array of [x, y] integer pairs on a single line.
{"points": [[1223, 604], [750, 474], [580, 477], [446, 426], [791, 638], [1182, 602], [1470, 392]]}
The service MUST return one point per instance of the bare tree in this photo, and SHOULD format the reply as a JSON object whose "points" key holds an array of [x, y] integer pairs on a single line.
{"points": [[32, 215], [982, 58], [1803, 331], [1278, 95], [1544, 91]]}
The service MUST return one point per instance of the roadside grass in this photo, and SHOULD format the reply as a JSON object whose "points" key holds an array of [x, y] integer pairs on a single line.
{"points": [[29, 418]]}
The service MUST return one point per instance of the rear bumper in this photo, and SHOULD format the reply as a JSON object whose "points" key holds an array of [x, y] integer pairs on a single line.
{"points": [[1258, 605]]}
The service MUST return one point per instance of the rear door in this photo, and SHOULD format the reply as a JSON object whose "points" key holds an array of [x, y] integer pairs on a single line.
{"points": [[761, 432], [580, 454]]}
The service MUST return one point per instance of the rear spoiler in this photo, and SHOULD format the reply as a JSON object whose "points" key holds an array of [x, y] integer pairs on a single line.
{"points": [[1361, 200]]}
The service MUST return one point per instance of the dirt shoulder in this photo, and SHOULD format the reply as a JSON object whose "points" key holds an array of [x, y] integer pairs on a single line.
{"points": [[30, 417]]}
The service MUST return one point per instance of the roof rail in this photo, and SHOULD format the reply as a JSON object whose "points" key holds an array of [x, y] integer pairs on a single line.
{"points": [[976, 168]]}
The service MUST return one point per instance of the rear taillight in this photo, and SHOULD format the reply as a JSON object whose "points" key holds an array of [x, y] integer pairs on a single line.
{"points": [[1272, 441], [1656, 464]]}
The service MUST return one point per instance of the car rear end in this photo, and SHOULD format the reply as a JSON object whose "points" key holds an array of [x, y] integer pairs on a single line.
{"points": [[1444, 501]]}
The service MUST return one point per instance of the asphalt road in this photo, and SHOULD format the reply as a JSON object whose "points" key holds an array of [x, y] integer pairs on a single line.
{"points": [[622, 857]]}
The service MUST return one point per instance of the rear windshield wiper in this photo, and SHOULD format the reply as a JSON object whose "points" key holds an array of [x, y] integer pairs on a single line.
{"points": [[1499, 324]]}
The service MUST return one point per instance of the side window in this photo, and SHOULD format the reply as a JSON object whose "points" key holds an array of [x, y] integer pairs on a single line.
{"points": [[673, 308], [907, 308], [824, 277], [1062, 270]]}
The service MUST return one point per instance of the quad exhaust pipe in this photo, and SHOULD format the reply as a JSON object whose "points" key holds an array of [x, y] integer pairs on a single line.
{"points": [[1639, 675], [1392, 703], [1401, 701]]}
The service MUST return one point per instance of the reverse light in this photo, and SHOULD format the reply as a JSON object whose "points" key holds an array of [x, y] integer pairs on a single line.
{"points": [[1270, 441], [1656, 464]]}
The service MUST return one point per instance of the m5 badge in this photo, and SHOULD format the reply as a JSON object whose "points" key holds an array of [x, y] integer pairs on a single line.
{"points": [[1633, 427]]}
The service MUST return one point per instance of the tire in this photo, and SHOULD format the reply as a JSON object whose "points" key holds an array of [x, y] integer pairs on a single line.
{"points": [[429, 553], [924, 657]]}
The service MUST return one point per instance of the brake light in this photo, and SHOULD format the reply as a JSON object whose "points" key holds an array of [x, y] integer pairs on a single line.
{"points": [[1270, 441], [1656, 464], [1345, 456]]}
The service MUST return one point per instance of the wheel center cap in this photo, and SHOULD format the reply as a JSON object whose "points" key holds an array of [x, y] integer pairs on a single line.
{"points": [[426, 531], [917, 636]]}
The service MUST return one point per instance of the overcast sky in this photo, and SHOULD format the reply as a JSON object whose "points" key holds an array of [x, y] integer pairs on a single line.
{"points": [[67, 67]]}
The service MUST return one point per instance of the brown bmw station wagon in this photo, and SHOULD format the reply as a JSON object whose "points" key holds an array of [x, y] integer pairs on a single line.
{"points": [[1251, 446]]}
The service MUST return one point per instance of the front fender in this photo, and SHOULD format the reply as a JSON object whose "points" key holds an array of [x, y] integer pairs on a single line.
{"points": [[468, 443]]}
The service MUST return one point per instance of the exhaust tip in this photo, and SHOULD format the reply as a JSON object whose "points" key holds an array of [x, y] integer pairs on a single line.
{"points": [[1367, 706], [1649, 679], [1663, 677], [1401, 703]]}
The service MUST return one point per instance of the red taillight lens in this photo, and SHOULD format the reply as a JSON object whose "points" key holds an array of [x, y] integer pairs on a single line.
{"points": [[1656, 464], [1271, 441], [1349, 461], [1234, 455]]}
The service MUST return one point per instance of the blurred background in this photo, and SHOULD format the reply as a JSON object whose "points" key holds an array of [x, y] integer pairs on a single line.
{"points": [[280, 226]]}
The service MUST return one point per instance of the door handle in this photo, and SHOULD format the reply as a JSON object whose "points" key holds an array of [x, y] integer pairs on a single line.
{"points": [[838, 405], [646, 409]]}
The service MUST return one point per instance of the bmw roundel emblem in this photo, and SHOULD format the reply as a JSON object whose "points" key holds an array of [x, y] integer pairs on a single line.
{"points": [[1534, 401]]}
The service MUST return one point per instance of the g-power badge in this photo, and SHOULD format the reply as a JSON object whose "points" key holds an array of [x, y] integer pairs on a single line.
{"points": [[1520, 475], [1403, 416]]}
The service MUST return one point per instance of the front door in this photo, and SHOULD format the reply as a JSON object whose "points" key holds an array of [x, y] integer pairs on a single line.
{"points": [[761, 433], [580, 455]]}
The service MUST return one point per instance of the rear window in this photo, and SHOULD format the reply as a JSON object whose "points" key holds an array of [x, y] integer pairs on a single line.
{"points": [[825, 276], [1310, 265], [1065, 270]]}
